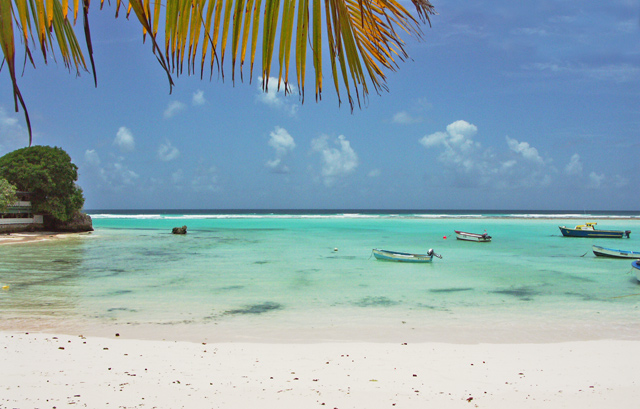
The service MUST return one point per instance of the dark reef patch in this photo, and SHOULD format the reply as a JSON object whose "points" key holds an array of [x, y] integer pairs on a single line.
{"points": [[375, 302], [451, 290], [256, 309], [523, 293]]}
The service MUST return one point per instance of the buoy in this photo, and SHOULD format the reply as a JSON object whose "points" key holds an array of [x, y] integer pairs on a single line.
{"points": [[5, 287], [335, 249], [444, 237]]}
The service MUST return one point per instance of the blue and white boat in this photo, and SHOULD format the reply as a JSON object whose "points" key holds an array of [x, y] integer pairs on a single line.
{"points": [[387, 255], [606, 252], [589, 230], [636, 265]]}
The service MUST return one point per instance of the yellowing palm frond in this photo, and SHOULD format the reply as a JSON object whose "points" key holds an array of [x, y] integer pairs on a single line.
{"points": [[361, 36]]}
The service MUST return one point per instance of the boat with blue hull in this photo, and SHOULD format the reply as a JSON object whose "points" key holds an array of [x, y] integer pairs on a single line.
{"points": [[615, 253], [387, 255], [589, 230], [636, 265]]}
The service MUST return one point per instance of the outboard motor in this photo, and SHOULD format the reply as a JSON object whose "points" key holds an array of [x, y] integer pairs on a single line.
{"points": [[431, 253], [627, 233]]}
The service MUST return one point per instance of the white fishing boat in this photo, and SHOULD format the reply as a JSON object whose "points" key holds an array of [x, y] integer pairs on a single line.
{"points": [[388, 255], [462, 235], [606, 252], [636, 265]]}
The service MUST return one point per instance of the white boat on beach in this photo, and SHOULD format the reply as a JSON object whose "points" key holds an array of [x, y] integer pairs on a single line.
{"points": [[462, 235]]}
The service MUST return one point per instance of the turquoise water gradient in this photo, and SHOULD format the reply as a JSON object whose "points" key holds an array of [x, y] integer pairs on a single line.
{"points": [[312, 277]]}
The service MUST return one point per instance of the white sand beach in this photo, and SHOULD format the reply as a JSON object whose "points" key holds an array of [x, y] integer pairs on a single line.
{"points": [[31, 237], [55, 371]]}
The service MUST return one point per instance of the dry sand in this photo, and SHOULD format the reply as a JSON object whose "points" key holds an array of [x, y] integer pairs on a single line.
{"points": [[31, 237], [58, 371]]}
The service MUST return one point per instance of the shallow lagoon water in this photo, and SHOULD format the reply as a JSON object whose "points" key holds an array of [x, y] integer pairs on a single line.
{"points": [[311, 277]]}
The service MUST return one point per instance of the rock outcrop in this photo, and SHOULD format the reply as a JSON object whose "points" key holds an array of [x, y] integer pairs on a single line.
{"points": [[80, 222], [179, 230]]}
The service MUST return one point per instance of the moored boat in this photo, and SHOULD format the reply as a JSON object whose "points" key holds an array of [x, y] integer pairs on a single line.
{"points": [[606, 252], [388, 255], [636, 265], [589, 230], [462, 235]]}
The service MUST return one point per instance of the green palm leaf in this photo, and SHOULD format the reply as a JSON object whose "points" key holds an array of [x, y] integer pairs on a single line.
{"points": [[361, 36]]}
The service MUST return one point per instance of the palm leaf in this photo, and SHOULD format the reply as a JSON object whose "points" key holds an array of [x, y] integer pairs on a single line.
{"points": [[362, 37]]}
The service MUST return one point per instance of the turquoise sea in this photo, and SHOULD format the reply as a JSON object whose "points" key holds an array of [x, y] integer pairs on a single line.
{"points": [[308, 276]]}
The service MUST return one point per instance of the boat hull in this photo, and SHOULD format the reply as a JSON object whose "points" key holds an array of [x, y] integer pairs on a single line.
{"points": [[481, 238], [611, 234], [614, 253], [387, 255], [636, 265]]}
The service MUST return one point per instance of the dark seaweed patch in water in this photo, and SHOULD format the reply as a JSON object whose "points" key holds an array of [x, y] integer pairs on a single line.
{"points": [[343, 257], [450, 290], [121, 309], [256, 309], [120, 292], [584, 297], [524, 294], [260, 262], [375, 302], [231, 287]]}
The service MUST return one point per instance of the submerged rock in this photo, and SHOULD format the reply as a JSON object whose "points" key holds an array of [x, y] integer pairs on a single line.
{"points": [[179, 230]]}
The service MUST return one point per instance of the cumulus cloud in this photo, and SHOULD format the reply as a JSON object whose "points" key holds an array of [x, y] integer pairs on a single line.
{"points": [[198, 98], [404, 118], [275, 98], [468, 164], [124, 140], [91, 157], [527, 151], [595, 180], [336, 161], [283, 143], [205, 179], [173, 109], [12, 134], [574, 167], [167, 152]]}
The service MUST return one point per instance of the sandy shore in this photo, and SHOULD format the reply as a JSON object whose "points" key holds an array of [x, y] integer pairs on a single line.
{"points": [[55, 371], [30, 237]]}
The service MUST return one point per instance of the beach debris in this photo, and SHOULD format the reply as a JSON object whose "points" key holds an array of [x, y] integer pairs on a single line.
{"points": [[179, 230]]}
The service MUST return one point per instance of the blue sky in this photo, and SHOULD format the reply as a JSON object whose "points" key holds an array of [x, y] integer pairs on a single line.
{"points": [[503, 105]]}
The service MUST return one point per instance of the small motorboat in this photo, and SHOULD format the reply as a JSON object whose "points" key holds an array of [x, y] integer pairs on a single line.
{"points": [[636, 265], [387, 255], [589, 230], [606, 252], [483, 238]]}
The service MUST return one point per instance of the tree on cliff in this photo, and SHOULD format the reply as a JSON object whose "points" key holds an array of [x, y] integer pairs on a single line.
{"points": [[7, 194], [361, 37], [49, 175]]}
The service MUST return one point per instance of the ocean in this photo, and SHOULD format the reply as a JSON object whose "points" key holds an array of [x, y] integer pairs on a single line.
{"points": [[309, 276]]}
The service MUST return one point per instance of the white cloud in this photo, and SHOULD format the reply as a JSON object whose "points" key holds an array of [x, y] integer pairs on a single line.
{"points": [[469, 165], [459, 136], [527, 151], [374, 173], [404, 118], [336, 162], [574, 167], [124, 140], [12, 134], [173, 109], [283, 143], [167, 152], [206, 179], [198, 98], [91, 157], [275, 98], [595, 180]]}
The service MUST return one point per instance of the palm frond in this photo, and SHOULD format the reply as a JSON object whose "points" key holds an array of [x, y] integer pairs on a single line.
{"points": [[362, 37]]}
